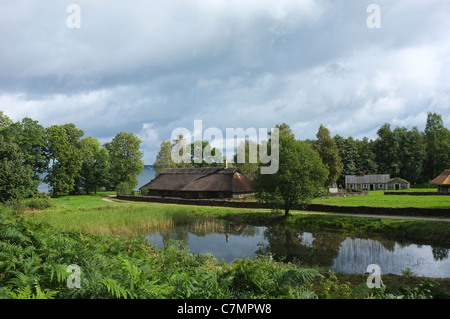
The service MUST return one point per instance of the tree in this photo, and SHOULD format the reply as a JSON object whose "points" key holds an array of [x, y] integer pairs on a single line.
{"points": [[410, 153], [301, 175], [201, 154], [30, 136], [437, 146], [5, 122], [366, 160], [15, 177], [164, 158], [65, 154], [250, 164], [95, 168], [125, 158], [329, 153], [206, 157], [385, 148], [348, 153]]}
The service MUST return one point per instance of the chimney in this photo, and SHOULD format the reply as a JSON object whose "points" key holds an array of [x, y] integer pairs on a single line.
{"points": [[363, 173]]}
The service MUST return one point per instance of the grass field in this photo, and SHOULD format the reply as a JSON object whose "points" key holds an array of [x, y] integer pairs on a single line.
{"points": [[93, 215], [378, 199]]}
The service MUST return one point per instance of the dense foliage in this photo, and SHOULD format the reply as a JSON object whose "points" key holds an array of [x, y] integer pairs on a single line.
{"points": [[415, 156], [37, 262], [71, 163], [301, 175]]}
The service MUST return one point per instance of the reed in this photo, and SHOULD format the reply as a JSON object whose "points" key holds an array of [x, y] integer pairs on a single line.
{"points": [[115, 219]]}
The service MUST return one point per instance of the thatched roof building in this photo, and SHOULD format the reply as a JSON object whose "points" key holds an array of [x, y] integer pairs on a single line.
{"points": [[211, 182], [443, 182]]}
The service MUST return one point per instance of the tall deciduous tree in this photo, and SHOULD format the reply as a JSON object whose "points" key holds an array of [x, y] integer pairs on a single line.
{"points": [[410, 153], [65, 152], [385, 148], [250, 165], [329, 153], [206, 156], [30, 136], [164, 158], [125, 158], [301, 175], [15, 177], [95, 168], [348, 152], [366, 161], [437, 144]]}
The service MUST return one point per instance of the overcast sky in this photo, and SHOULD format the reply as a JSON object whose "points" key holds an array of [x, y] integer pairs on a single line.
{"points": [[151, 66]]}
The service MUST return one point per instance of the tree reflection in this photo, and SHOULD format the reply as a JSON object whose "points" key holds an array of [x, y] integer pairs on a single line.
{"points": [[317, 249], [439, 253]]}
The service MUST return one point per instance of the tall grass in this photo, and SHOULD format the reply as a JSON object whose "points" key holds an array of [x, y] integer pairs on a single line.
{"points": [[116, 219]]}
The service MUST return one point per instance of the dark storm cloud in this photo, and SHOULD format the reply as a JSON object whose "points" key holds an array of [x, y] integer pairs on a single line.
{"points": [[151, 66]]}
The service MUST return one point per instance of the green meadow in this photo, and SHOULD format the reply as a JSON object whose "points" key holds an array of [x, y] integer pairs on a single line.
{"points": [[378, 199]]}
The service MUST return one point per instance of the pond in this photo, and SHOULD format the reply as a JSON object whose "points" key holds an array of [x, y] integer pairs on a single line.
{"points": [[339, 252]]}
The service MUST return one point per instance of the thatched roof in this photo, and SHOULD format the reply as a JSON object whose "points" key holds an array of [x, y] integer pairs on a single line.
{"points": [[211, 179], [443, 179], [367, 179]]}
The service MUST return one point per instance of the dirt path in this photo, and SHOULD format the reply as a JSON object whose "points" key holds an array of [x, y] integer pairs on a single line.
{"points": [[109, 199], [375, 216]]}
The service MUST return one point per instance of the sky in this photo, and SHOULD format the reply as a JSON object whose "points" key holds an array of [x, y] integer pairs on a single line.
{"points": [[151, 66]]}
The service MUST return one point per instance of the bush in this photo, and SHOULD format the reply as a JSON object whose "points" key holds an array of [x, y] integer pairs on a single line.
{"points": [[124, 188], [39, 201]]}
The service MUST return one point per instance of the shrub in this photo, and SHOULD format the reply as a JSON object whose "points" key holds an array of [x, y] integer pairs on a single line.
{"points": [[124, 188], [39, 201]]}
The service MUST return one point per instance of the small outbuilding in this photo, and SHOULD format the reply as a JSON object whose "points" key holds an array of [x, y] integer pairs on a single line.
{"points": [[397, 184], [443, 182], [210, 182]]}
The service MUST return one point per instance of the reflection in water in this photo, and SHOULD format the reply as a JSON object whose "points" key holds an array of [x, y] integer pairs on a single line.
{"points": [[355, 254], [334, 250]]}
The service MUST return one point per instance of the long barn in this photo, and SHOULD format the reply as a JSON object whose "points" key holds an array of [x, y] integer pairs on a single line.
{"points": [[211, 182]]}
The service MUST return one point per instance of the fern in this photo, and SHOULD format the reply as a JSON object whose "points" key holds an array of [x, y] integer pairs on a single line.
{"points": [[26, 292], [116, 289], [60, 270]]}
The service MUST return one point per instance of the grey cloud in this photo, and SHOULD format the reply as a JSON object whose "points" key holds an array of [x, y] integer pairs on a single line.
{"points": [[151, 66]]}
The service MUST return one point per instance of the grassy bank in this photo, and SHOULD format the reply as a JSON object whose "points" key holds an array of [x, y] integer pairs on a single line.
{"points": [[34, 259], [92, 214], [378, 199]]}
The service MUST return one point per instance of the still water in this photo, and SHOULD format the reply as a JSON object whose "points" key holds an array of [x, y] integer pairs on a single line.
{"points": [[336, 251]]}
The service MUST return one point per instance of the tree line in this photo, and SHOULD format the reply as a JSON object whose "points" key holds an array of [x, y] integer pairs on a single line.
{"points": [[308, 167], [410, 154], [62, 157]]}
